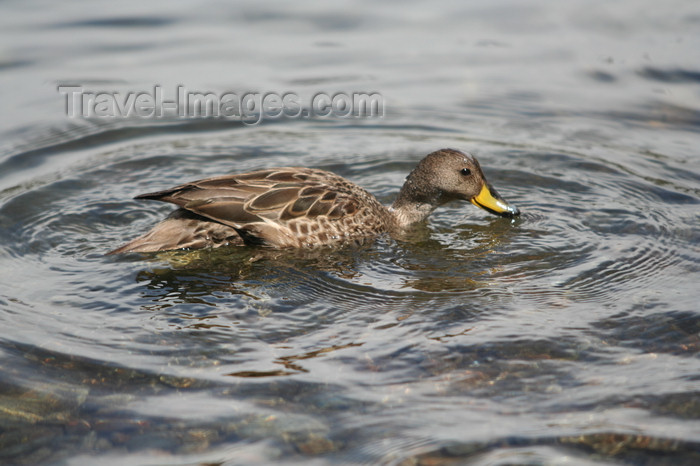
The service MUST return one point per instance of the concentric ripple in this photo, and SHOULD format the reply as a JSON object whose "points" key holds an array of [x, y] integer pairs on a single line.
{"points": [[470, 310]]}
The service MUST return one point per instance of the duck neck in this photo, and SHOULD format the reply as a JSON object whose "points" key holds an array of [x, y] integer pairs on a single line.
{"points": [[409, 213], [417, 198], [414, 204]]}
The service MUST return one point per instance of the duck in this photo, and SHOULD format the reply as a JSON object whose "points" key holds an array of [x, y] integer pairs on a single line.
{"points": [[295, 207]]}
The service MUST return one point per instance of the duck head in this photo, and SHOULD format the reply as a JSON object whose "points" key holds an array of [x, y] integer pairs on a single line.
{"points": [[443, 176]]}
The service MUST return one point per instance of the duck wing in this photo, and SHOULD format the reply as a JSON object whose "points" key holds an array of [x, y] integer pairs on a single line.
{"points": [[276, 207]]}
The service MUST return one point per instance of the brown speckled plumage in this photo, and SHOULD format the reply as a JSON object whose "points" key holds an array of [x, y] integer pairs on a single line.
{"points": [[303, 207]]}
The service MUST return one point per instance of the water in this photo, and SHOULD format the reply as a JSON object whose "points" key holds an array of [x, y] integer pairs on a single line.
{"points": [[567, 336]]}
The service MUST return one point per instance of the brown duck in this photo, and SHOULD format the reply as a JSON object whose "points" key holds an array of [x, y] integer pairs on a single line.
{"points": [[304, 207]]}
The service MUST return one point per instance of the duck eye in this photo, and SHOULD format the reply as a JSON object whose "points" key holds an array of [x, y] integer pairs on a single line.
{"points": [[465, 171]]}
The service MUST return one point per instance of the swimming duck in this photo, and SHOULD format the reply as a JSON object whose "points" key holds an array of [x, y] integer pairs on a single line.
{"points": [[305, 207]]}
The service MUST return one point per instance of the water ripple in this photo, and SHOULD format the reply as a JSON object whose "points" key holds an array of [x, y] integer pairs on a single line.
{"points": [[482, 312]]}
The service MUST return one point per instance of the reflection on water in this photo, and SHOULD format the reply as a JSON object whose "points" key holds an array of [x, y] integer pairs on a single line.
{"points": [[568, 334]]}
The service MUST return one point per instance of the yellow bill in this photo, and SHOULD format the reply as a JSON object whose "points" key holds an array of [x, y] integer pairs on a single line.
{"points": [[489, 200]]}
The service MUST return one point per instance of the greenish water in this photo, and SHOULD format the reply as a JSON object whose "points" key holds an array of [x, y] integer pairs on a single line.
{"points": [[569, 335]]}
